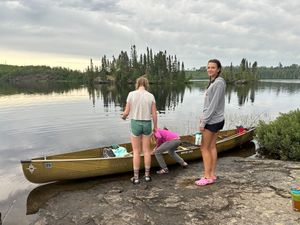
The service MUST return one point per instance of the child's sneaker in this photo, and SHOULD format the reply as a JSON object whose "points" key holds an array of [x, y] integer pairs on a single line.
{"points": [[184, 165], [148, 178], [162, 171], [134, 180]]}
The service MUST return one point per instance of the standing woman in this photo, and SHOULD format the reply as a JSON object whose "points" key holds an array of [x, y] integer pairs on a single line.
{"points": [[212, 120], [141, 108]]}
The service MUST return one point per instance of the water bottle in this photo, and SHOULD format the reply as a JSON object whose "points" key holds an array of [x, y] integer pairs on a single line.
{"points": [[198, 137]]}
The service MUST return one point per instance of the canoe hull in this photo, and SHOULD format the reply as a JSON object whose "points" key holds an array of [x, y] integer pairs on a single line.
{"points": [[89, 163]]}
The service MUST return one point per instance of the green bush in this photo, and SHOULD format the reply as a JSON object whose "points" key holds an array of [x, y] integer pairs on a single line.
{"points": [[280, 138]]}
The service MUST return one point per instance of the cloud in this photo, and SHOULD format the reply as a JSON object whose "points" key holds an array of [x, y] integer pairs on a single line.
{"points": [[265, 31]]}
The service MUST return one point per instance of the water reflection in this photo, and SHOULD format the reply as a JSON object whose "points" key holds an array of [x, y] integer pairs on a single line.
{"points": [[110, 94], [39, 196], [167, 96], [37, 88], [246, 92], [281, 86]]}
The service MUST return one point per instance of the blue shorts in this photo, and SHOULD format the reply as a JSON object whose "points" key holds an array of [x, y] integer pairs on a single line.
{"points": [[215, 127], [141, 127]]}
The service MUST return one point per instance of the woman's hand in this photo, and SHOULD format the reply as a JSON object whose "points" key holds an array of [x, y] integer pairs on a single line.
{"points": [[154, 129], [153, 151], [126, 112], [201, 126], [124, 116]]}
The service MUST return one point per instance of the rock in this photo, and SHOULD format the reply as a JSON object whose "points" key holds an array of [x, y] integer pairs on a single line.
{"points": [[248, 191]]}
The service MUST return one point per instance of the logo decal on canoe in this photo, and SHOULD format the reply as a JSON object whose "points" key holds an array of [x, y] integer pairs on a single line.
{"points": [[48, 165], [186, 152], [31, 168]]}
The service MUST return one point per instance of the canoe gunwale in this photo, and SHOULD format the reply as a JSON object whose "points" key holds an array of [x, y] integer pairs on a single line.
{"points": [[97, 159]]}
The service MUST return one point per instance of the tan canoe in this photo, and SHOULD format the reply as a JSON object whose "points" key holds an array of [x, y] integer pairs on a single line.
{"points": [[91, 163]]}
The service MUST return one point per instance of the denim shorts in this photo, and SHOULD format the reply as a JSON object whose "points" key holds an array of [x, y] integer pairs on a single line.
{"points": [[215, 127], [141, 127]]}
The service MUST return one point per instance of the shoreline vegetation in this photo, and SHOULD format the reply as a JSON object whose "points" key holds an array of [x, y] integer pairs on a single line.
{"points": [[279, 139], [159, 68]]}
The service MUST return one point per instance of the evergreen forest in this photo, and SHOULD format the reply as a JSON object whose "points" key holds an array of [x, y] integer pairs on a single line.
{"points": [[14, 74], [159, 67]]}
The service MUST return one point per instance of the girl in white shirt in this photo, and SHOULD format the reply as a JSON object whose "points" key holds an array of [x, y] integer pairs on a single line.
{"points": [[141, 109]]}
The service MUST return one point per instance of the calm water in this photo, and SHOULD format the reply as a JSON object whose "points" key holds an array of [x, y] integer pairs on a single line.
{"points": [[45, 119]]}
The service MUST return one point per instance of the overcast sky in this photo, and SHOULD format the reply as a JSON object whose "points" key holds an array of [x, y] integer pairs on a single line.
{"points": [[70, 32]]}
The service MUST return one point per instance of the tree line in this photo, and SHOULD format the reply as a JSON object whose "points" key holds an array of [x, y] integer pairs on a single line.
{"points": [[159, 67], [13, 74], [248, 71], [280, 72]]}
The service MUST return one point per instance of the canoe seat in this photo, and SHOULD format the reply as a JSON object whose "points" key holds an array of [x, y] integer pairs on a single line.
{"points": [[182, 148], [223, 136]]}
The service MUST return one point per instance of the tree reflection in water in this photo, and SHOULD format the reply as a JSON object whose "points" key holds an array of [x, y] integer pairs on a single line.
{"points": [[167, 96]]}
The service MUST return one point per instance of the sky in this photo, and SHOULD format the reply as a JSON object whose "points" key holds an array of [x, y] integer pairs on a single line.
{"points": [[68, 33]]}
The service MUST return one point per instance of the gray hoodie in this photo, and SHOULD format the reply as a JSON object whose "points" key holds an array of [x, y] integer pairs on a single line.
{"points": [[214, 103]]}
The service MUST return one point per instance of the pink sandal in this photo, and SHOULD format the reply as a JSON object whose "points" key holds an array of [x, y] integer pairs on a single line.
{"points": [[204, 181], [215, 178]]}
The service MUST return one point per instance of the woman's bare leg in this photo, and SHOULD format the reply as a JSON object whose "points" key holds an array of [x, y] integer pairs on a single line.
{"points": [[214, 155], [136, 148], [147, 153], [206, 152]]}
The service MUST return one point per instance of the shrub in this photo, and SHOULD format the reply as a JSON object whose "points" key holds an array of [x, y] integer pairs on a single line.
{"points": [[280, 138]]}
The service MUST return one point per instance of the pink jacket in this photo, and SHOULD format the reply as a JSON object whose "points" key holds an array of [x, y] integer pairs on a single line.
{"points": [[163, 135]]}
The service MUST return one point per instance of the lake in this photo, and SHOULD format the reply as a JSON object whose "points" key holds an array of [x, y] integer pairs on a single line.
{"points": [[43, 119]]}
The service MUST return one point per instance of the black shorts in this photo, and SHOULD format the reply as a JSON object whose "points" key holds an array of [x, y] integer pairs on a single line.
{"points": [[215, 127]]}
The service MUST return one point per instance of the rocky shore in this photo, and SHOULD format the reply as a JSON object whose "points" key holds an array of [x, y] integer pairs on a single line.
{"points": [[248, 191]]}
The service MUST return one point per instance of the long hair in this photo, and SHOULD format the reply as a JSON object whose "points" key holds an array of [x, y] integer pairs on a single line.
{"points": [[142, 81], [219, 66]]}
